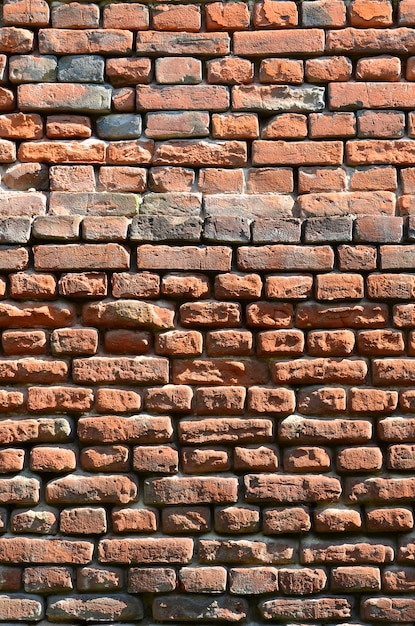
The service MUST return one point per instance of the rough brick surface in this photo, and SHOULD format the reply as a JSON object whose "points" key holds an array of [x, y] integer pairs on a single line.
{"points": [[207, 312]]}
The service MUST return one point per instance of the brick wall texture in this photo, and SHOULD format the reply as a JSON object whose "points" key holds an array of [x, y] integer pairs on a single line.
{"points": [[207, 312]]}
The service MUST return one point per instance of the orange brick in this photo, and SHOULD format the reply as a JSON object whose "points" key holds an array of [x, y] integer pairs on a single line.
{"points": [[229, 71], [281, 71], [270, 180], [332, 125], [384, 67], [176, 17], [371, 13], [316, 179], [270, 14], [373, 178], [286, 126], [328, 69], [227, 16], [235, 126], [215, 180]]}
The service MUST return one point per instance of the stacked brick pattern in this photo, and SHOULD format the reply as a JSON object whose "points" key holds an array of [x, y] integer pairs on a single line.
{"points": [[207, 312]]}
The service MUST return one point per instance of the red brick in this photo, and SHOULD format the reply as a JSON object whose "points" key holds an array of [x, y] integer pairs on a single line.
{"points": [[235, 126], [373, 178], [68, 127], [75, 15], [270, 180], [134, 520], [24, 342], [59, 399], [328, 69], [268, 14], [229, 343], [170, 398], [11, 460], [306, 459], [357, 202], [382, 124], [156, 459], [306, 430], [383, 68], [74, 489], [285, 71], [171, 179], [291, 488], [372, 400], [26, 13], [355, 316], [128, 71], [269, 315], [46, 579], [280, 343], [355, 459], [125, 429], [356, 552], [228, 400], [216, 180], [286, 258], [201, 153], [240, 552], [332, 125], [389, 520], [151, 579], [179, 343], [225, 430], [66, 41], [322, 400], [289, 520], [227, 16], [178, 70], [179, 520], [279, 42], [165, 44], [339, 286], [83, 521], [74, 341], [204, 460], [105, 459], [357, 258], [255, 580], [92, 151], [355, 578], [372, 13], [179, 17], [203, 579], [257, 459], [271, 400], [297, 153], [127, 341], [116, 401], [229, 71], [108, 228], [126, 16], [190, 490], [286, 126], [83, 257], [98, 579], [50, 550], [333, 343]]}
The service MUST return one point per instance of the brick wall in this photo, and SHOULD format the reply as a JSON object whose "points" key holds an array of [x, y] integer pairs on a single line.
{"points": [[207, 312]]}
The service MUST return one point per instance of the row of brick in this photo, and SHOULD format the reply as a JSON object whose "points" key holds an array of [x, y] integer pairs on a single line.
{"points": [[213, 579], [259, 43], [220, 229], [290, 126], [188, 70], [182, 399], [144, 370], [217, 15], [266, 258]]}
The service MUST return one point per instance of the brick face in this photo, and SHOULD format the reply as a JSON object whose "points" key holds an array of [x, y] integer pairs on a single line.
{"points": [[207, 312]]}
